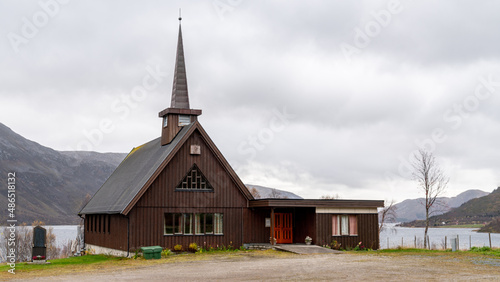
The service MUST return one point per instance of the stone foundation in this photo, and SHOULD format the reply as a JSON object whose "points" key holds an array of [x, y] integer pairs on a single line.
{"points": [[98, 250]]}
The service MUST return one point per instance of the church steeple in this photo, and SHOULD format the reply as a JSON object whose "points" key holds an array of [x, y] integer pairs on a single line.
{"points": [[179, 114], [180, 98]]}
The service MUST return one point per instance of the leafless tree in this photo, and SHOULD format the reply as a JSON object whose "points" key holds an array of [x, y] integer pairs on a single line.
{"points": [[388, 214], [274, 193], [330, 197], [24, 238], [431, 180], [255, 193]]}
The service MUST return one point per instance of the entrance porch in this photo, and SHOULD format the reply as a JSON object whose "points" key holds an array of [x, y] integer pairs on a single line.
{"points": [[288, 225]]}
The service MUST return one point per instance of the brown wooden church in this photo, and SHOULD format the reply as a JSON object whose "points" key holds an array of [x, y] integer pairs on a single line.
{"points": [[179, 189]]}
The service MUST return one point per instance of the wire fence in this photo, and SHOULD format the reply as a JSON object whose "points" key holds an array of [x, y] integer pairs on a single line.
{"points": [[464, 242]]}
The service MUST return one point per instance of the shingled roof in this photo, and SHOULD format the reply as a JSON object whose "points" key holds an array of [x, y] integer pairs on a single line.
{"points": [[131, 176]]}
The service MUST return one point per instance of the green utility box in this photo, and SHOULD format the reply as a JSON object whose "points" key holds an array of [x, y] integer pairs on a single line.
{"points": [[153, 252]]}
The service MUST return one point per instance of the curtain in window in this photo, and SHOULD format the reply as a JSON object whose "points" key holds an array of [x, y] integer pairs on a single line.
{"points": [[218, 223], [199, 219], [335, 225], [353, 225], [344, 228]]}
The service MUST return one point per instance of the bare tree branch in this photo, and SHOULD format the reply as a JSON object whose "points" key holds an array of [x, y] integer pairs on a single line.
{"points": [[255, 193], [431, 180], [388, 214], [330, 197]]}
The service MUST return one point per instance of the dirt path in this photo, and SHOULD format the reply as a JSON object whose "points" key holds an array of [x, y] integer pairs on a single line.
{"points": [[357, 267]]}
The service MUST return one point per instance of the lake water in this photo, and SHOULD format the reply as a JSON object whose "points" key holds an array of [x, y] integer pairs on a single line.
{"points": [[391, 237]]}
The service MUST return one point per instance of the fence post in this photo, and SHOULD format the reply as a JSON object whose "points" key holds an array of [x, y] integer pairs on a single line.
{"points": [[445, 241], [388, 242], [458, 243], [428, 242], [470, 244], [415, 241], [402, 244], [489, 235]]}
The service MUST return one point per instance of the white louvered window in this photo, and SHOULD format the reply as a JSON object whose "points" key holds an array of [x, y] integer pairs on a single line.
{"points": [[184, 120]]}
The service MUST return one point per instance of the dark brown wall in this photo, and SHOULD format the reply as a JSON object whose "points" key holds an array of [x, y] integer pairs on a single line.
{"points": [[147, 217], [254, 226], [367, 231], [114, 238], [304, 223]]}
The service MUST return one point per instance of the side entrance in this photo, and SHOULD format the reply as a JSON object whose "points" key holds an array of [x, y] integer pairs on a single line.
{"points": [[283, 231]]}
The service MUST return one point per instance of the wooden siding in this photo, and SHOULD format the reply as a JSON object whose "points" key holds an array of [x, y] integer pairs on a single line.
{"points": [[254, 226], [147, 216], [367, 231], [304, 222], [168, 132], [162, 192], [114, 237], [148, 228]]}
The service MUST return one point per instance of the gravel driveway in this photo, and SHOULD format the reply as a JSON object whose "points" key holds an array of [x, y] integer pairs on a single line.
{"points": [[345, 266]]}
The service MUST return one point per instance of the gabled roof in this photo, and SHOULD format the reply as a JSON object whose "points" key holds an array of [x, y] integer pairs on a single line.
{"points": [[131, 175], [140, 168]]}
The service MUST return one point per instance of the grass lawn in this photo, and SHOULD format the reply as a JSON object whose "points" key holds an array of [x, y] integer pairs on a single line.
{"points": [[473, 253]]}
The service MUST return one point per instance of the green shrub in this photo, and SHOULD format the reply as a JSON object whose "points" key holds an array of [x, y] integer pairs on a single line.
{"points": [[482, 249], [166, 253], [178, 248], [193, 247]]}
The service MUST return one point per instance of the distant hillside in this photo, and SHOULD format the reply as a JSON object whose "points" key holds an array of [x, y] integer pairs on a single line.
{"points": [[476, 211], [266, 192], [410, 210], [493, 227], [50, 185]]}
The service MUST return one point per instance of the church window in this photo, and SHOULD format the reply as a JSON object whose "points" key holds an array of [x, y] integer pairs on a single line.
{"points": [[194, 181]]}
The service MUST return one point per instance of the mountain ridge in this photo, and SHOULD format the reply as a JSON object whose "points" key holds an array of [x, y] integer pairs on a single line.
{"points": [[413, 209], [482, 210], [50, 185]]}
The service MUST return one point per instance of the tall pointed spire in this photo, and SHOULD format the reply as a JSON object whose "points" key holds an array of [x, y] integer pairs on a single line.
{"points": [[180, 98], [179, 114]]}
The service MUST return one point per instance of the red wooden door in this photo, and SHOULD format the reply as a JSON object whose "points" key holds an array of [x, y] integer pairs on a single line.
{"points": [[283, 231]]}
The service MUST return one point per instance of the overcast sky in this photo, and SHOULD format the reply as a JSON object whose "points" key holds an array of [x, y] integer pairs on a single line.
{"points": [[314, 97]]}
